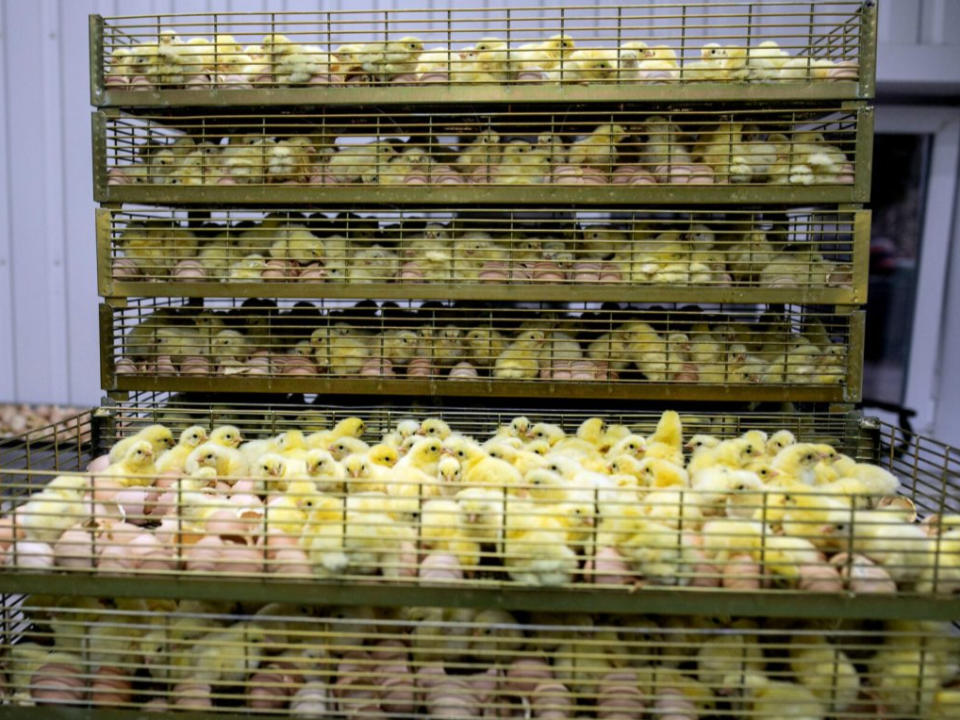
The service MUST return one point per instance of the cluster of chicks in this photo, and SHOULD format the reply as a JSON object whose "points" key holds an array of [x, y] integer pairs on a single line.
{"points": [[464, 342], [655, 151], [168, 61], [531, 504], [426, 662], [290, 247]]}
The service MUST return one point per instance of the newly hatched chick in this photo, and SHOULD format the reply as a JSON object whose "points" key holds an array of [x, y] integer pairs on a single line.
{"points": [[174, 459], [599, 148], [136, 468], [520, 360], [826, 671], [159, 437]]}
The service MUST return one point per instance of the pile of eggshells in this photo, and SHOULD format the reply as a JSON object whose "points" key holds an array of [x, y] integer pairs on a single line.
{"points": [[20, 419]]}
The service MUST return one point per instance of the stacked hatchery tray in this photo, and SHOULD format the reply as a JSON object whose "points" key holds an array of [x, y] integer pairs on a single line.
{"points": [[140, 605], [538, 206]]}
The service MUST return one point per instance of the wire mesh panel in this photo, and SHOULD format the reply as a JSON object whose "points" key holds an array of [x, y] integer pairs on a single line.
{"points": [[426, 662], [647, 48], [620, 155], [488, 348], [604, 507], [807, 254]]}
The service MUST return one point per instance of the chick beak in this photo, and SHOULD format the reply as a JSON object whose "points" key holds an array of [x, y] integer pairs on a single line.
{"points": [[446, 451], [420, 432], [588, 521], [472, 518], [771, 473], [688, 446]]}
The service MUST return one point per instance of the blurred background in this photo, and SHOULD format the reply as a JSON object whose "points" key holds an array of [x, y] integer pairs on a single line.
{"points": [[48, 295]]}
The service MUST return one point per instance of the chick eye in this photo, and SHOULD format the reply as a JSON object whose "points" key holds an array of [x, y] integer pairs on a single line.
{"points": [[460, 453], [431, 431], [749, 451], [808, 457]]}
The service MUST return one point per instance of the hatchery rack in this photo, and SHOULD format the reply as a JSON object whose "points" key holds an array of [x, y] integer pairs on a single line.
{"points": [[929, 471], [842, 33]]}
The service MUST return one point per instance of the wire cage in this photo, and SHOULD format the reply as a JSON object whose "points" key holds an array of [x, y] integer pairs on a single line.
{"points": [[760, 50], [429, 662], [814, 255], [885, 546], [789, 154], [469, 348]]}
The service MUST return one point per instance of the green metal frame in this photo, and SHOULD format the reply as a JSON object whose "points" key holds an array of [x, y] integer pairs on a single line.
{"points": [[682, 601]]}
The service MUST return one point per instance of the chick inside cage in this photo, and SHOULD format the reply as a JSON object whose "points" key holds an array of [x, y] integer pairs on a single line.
{"points": [[456, 251], [759, 43]]}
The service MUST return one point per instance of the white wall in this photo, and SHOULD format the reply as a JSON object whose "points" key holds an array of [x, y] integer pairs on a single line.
{"points": [[48, 299]]}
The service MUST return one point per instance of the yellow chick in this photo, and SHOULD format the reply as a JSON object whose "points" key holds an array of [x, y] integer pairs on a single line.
{"points": [[722, 655], [599, 148], [48, 513], [478, 468], [174, 459], [588, 65], [546, 432], [520, 360], [657, 63], [666, 442], [658, 473], [270, 470], [228, 462], [441, 531], [769, 699], [718, 64], [322, 538], [374, 540], [825, 671], [159, 437], [535, 549], [780, 440], [344, 446], [434, 428], [798, 461], [481, 511], [544, 55], [137, 461], [327, 474], [364, 476]]}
